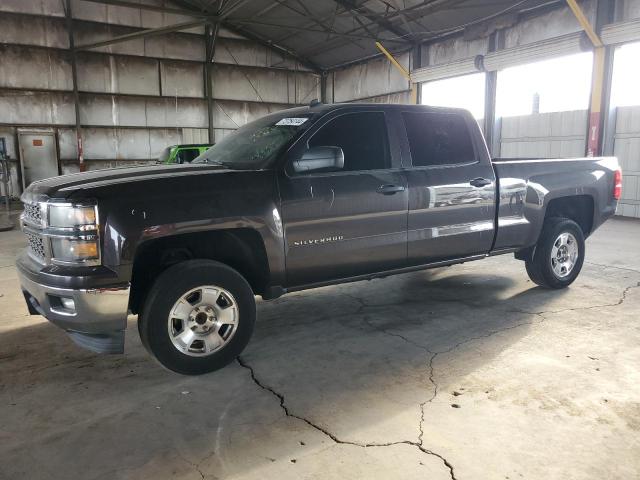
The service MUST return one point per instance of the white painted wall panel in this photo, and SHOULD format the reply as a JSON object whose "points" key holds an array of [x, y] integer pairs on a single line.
{"points": [[557, 134], [553, 24], [34, 68], [160, 139], [371, 79], [270, 86], [456, 48], [37, 7], [67, 143], [30, 30], [234, 51], [177, 46], [229, 115], [129, 75], [108, 110], [36, 108], [627, 149], [89, 33], [399, 98], [195, 135], [630, 9], [132, 17], [182, 79]]}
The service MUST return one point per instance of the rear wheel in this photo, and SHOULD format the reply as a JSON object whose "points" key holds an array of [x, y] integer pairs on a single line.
{"points": [[198, 317], [558, 255]]}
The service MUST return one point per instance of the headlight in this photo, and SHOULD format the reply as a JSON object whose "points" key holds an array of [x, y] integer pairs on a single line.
{"points": [[74, 234], [72, 216], [76, 250]]}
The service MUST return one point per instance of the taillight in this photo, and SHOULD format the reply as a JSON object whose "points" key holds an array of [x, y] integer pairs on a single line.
{"points": [[617, 184]]}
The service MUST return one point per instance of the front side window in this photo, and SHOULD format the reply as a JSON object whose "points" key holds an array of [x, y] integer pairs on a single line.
{"points": [[438, 139], [362, 137]]}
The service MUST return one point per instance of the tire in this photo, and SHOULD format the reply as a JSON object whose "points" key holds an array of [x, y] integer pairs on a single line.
{"points": [[212, 311], [540, 267]]}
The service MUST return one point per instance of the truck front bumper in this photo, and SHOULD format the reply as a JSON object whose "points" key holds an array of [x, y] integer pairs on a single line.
{"points": [[95, 318]]}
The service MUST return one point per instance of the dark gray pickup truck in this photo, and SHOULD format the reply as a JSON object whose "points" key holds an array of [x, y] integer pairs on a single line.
{"points": [[302, 198]]}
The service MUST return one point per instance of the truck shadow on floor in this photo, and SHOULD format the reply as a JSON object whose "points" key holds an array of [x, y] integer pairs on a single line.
{"points": [[357, 360]]}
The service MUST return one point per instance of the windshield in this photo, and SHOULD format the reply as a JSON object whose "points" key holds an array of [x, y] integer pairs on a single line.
{"points": [[256, 143]]}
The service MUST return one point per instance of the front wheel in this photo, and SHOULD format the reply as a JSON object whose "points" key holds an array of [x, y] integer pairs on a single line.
{"points": [[559, 254], [198, 317]]}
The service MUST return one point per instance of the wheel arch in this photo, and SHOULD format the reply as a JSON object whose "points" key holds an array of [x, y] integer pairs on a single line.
{"points": [[242, 249]]}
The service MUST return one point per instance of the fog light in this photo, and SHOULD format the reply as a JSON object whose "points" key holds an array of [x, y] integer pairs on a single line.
{"points": [[68, 303]]}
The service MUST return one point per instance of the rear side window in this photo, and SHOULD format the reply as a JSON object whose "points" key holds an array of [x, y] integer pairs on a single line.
{"points": [[438, 139], [362, 137]]}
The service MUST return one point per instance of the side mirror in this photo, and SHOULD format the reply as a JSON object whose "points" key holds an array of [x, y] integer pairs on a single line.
{"points": [[320, 159]]}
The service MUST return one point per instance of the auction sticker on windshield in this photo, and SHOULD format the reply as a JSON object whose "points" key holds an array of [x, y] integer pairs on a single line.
{"points": [[294, 122]]}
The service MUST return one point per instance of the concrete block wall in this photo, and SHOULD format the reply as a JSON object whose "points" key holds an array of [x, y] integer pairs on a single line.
{"points": [[136, 97]]}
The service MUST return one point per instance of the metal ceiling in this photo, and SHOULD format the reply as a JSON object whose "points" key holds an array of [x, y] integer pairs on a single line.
{"points": [[325, 34]]}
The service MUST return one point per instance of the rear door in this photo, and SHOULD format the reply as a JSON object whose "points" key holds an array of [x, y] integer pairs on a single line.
{"points": [[350, 222], [452, 187]]}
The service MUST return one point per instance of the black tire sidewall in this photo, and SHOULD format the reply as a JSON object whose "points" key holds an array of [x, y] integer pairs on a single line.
{"points": [[542, 256], [168, 288]]}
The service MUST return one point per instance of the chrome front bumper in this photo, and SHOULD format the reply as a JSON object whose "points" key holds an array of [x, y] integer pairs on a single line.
{"points": [[97, 321]]}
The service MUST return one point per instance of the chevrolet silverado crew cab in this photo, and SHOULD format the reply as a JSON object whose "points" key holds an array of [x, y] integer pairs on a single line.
{"points": [[298, 199]]}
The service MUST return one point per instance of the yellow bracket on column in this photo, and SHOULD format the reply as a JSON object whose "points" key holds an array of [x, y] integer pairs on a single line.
{"points": [[405, 73], [597, 82]]}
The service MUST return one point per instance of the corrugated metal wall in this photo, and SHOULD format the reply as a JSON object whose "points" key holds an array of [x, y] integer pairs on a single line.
{"points": [[627, 149], [374, 81], [136, 97], [548, 135]]}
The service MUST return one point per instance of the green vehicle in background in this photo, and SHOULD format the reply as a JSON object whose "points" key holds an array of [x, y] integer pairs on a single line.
{"points": [[185, 153]]}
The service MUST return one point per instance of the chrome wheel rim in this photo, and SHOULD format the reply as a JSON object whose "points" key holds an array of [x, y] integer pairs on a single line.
{"points": [[203, 320], [564, 255]]}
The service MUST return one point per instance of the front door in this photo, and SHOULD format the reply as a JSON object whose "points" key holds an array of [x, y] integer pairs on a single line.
{"points": [[37, 155], [350, 222]]}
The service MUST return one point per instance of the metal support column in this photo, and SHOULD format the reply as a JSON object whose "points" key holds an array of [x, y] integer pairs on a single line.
{"points": [[600, 86], [323, 87], [491, 86], [417, 63], [211, 33], [74, 76]]}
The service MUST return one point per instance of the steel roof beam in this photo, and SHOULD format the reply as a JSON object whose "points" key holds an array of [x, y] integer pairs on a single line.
{"points": [[273, 46], [148, 33], [360, 10]]}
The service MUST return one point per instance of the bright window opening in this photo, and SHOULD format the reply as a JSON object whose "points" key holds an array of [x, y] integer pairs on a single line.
{"points": [[626, 72], [460, 92], [555, 85]]}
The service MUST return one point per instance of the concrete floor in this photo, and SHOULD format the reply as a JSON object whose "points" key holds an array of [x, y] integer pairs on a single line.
{"points": [[468, 372]]}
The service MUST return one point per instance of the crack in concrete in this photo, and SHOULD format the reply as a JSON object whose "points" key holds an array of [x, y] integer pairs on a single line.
{"points": [[432, 357], [434, 354], [332, 436], [195, 466], [622, 299], [613, 266]]}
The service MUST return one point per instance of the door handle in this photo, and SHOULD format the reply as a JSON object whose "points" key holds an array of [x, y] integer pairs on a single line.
{"points": [[480, 182], [390, 189]]}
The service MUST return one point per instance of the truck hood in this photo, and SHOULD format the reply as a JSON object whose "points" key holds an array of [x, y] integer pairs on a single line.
{"points": [[66, 185]]}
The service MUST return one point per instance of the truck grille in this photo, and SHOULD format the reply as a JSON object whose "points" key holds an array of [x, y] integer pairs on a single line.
{"points": [[33, 213], [36, 245]]}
